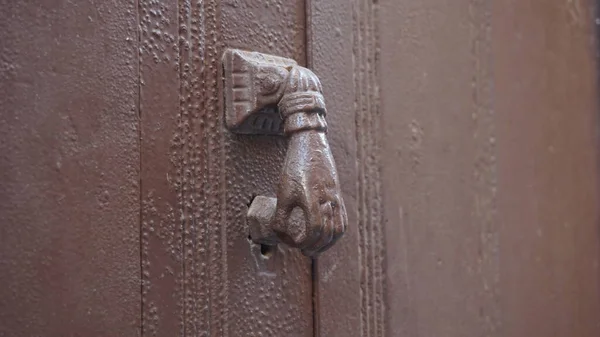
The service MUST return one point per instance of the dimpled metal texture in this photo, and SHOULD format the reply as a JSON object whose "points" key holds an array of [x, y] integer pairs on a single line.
{"points": [[201, 275]]}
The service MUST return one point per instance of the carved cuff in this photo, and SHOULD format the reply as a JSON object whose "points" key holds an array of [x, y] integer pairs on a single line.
{"points": [[303, 101], [255, 83], [301, 121]]}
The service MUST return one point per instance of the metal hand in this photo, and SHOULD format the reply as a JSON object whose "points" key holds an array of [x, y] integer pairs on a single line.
{"points": [[309, 181]]}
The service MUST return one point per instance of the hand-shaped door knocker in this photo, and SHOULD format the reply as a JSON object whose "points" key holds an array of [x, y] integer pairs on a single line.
{"points": [[267, 94]]}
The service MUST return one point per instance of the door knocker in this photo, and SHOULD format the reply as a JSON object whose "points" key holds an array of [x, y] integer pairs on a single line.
{"points": [[266, 94]]}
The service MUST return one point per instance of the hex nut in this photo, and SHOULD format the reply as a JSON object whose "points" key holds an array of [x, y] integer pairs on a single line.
{"points": [[259, 216]]}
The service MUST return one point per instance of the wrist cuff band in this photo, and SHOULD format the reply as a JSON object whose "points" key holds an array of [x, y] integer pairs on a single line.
{"points": [[304, 121], [306, 101]]}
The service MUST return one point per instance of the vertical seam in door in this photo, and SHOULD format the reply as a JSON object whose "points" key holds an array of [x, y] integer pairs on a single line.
{"points": [[314, 262], [308, 33], [181, 197], [140, 153], [315, 295], [596, 46]]}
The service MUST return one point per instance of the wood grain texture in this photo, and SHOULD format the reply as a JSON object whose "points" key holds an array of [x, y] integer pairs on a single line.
{"points": [[344, 53], [69, 169], [490, 173], [371, 249], [439, 169], [202, 275], [546, 97]]}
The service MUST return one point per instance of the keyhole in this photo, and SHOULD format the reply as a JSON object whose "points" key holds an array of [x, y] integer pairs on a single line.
{"points": [[266, 250]]}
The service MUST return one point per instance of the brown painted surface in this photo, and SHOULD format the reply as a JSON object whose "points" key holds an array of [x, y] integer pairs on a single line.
{"points": [[161, 214], [69, 169], [548, 201], [202, 275], [349, 277], [490, 173], [464, 132]]}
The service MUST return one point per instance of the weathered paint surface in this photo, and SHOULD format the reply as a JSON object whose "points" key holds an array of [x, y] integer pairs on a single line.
{"points": [[548, 203], [349, 277], [201, 273], [490, 172], [69, 169], [465, 135]]}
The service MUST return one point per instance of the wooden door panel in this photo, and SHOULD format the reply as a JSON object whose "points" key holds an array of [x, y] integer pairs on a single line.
{"points": [[268, 296], [439, 169], [490, 172], [464, 132], [164, 113], [202, 275], [548, 203], [348, 276], [69, 171]]}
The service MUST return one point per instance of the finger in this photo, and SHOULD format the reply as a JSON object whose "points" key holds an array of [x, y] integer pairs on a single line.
{"points": [[327, 232], [280, 220], [328, 228], [336, 235], [324, 243], [327, 246], [282, 210], [339, 225], [314, 225], [342, 224]]}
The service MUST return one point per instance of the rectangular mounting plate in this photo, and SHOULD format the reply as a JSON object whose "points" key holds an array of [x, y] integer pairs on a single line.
{"points": [[252, 81]]}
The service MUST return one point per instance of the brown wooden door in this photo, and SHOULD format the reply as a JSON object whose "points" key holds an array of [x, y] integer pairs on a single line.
{"points": [[70, 169], [465, 135]]}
